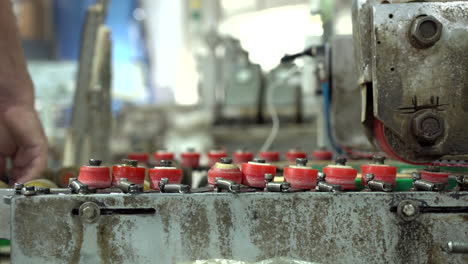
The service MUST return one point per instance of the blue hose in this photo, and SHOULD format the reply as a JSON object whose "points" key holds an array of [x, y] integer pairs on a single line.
{"points": [[327, 99]]}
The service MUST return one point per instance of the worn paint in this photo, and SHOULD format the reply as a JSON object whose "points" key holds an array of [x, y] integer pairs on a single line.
{"points": [[321, 227]]}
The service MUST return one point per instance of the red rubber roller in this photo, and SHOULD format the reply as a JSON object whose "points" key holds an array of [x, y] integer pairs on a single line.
{"points": [[381, 171], [162, 155], [226, 170], [215, 156], [94, 175], [341, 174], [294, 154], [300, 176], [142, 157], [322, 154], [165, 170], [190, 159], [242, 156], [269, 156], [433, 174], [128, 169], [254, 173]]}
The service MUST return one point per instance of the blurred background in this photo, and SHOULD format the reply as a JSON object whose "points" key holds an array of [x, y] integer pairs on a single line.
{"points": [[191, 73]]}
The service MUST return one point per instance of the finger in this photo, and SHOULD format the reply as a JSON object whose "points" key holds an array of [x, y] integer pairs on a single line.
{"points": [[31, 153], [28, 164]]}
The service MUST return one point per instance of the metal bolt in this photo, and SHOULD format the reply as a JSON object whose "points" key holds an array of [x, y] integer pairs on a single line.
{"points": [[321, 176], [409, 210], [77, 187], [301, 162], [378, 159], [416, 176], [457, 247], [226, 160], [89, 212], [128, 187], [427, 127], [425, 31], [368, 177], [259, 160], [42, 190], [129, 162], [165, 163], [462, 183], [379, 186], [340, 160], [28, 190], [268, 177], [18, 188], [224, 184], [95, 162]]}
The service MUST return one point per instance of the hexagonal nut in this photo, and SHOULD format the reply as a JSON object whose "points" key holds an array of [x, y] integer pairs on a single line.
{"points": [[425, 31], [408, 210], [89, 212], [428, 127]]}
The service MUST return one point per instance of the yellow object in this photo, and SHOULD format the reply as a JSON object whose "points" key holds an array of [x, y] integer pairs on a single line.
{"points": [[42, 183], [146, 186], [3, 185]]}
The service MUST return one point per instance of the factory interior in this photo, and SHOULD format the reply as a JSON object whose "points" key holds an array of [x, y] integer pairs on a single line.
{"points": [[233, 131]]}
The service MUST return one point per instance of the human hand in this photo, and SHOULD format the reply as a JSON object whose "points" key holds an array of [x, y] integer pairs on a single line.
{"points": [[22, 139]]}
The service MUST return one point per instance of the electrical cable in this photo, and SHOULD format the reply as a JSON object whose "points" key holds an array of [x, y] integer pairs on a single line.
{"points": [[326, 99], [272, 109]]}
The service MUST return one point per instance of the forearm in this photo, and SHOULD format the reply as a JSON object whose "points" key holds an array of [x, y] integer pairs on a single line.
{"points": [[16, 88]]}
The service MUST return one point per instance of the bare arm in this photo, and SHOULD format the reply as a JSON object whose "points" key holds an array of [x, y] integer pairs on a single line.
{"points": [[21, 136], [15, 83]]}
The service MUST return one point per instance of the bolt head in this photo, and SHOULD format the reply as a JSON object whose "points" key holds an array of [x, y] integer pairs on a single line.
{"points": [[416, 176], [378, 159], [321, 176], [226, 160], [259, 160], [89, 212], [340, 160], [369, 177], [268, 177], [425, 31], [301, 162], [408, 210], [428, 127], [165, 163], [95, 162]]}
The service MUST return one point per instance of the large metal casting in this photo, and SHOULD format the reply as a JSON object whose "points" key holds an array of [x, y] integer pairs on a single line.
{"points": [[412, 67], [358, 227]]}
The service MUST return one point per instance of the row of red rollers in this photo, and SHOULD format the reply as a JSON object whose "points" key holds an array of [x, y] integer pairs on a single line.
{"points": [[100, 177], [300, 176], [191, 158], [251, 173]]}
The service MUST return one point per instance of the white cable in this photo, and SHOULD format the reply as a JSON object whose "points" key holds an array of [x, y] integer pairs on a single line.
{"points": [[272, 110]]}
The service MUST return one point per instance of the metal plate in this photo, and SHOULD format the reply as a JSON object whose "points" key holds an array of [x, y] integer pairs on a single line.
{"points": [[321, 227], [401, 72]]}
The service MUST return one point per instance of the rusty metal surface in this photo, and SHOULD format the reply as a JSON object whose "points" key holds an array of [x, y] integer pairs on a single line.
{"points": [[173, 228], [403, 72], [5, 214], [399, 74]]}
